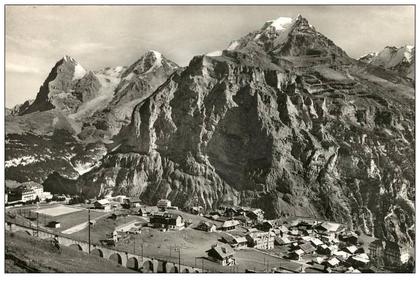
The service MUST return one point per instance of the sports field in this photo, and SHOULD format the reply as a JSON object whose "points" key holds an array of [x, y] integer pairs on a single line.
{"points": [[57, 210]]}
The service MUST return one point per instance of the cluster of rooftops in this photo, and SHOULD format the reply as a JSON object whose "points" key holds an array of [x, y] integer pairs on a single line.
{"points": [[328, 246]]}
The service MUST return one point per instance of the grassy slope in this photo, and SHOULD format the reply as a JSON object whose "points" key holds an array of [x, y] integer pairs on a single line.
{"points": [[42, 256]]}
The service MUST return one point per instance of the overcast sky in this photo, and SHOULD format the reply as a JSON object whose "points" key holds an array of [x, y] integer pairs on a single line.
{"points": [[97, 37]]}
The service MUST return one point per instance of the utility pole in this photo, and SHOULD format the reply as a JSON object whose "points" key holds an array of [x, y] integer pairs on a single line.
{"points": [[134, 245], [37, 225], [142, 251], [202, 264], [89, 228], [179, 260]]}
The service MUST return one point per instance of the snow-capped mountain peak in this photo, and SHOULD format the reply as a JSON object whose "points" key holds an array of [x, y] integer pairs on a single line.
{"points": [[288, 37], [69, 59], [398, 59], [153, 56], [150, 61], [279, 24]]}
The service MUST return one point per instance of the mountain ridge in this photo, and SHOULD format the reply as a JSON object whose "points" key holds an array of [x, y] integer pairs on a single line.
{"points": [[286, 122]]}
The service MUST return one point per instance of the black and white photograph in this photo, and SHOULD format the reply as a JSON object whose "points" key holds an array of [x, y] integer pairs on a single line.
{"points": [[217, 138]]}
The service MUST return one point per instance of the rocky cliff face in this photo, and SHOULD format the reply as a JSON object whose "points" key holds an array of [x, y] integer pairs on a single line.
{"points": [[65, 129], [283, 120], [400, 60], [56, 92], [137, 82]]}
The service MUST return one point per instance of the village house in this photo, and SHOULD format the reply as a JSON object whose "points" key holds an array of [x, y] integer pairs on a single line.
{"points": [[229, 225], [329, 229], [294, 232], [142, 211], [131, 202], [351, 249], [297, 254], [28, 195], [327, 249], [196, 210], [147, 210], [327, 237], [167, 221], [234, 241], [132, 226], [359, 261], [315, 267], [206, 226], [333, 262], [331, 249], [394, 254], [281, 230], [323, 249], [341, 255], [308, 232], [13, 196], [266, 226], [307, 248], [63, 198], [38, 189], [231, 212], [244, 220], [46, 196], [349, 237], [163, 204], [304, 225], [102, 204], [120, 198], [255, 214], [261, 240], [281, 241], [222, 255], [28, 192], [316, 242]]}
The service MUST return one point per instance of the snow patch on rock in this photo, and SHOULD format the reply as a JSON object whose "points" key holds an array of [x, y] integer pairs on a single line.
{"points": [[215, 53], [79, 72], [83, 168], [280, 23], [233, 45], [20, 161], [158, 57]]}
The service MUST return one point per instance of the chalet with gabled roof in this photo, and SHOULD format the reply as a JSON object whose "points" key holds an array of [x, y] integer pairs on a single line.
{"points": [[222, 255]]}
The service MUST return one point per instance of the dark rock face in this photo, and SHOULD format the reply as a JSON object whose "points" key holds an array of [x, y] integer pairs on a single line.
{"points": [[294, 38], [317, 135], [66, 128], [55, 91], [137, 83], [283, 120]]}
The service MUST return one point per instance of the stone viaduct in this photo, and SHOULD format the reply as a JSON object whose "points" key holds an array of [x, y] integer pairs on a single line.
{"points": [[126, 259]]}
